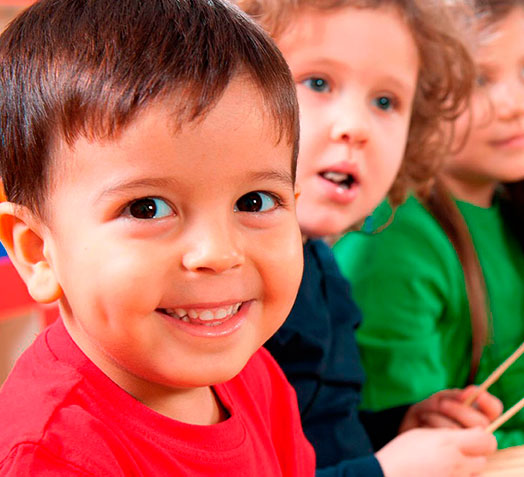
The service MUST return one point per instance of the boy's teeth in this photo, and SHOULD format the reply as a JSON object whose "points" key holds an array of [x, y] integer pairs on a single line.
{"points": [[221, 314], [204, 315], [192, 314]]}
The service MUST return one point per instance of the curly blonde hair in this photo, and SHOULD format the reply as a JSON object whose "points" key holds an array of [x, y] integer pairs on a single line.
{"points": [[445, 81]]}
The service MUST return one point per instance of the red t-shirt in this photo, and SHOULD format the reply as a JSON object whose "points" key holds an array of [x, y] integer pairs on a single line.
{"points": [[60, 415]]}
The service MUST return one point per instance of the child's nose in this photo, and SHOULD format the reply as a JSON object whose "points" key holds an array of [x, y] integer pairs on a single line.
{"points": [[508, 100], [213, 250], [350, 124]]}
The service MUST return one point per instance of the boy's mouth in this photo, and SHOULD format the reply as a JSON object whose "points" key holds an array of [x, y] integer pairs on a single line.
{"points": [[203, 316], [340, 179]]}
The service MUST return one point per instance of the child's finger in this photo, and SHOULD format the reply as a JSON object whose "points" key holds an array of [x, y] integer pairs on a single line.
{"points": [[438, 420], [465, 416], [477, 442], [489, 405], [474, 465]]}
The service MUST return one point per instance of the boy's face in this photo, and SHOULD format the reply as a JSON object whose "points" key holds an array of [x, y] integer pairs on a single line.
{"points": [[356, 73], [178, 251]]}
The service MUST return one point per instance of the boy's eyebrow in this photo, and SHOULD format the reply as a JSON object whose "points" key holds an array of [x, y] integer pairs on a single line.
{"points": [[282, 176], [126, 186]]}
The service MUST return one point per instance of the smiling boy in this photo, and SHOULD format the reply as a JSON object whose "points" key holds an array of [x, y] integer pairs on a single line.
{"points": [[150, 184]]}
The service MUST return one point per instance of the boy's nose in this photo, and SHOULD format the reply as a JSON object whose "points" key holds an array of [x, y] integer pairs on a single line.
{"points": [[212, 250]]}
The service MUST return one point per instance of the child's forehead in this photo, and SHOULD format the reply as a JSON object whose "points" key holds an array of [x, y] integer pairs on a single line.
{"points": [[311, 24], [350, 40]]}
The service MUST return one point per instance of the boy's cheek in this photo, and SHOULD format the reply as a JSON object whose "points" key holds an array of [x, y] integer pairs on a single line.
{"points": [[288, 264]]}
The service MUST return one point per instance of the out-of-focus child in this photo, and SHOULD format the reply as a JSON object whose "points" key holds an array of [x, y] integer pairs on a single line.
{"points": [[442, 287], [370, 78]]}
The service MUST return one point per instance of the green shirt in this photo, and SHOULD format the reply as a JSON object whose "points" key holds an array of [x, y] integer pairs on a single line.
{"points": [[416, 334]]}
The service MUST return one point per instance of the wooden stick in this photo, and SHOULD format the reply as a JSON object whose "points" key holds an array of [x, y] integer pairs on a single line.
{"points": [[495, 375], [507, 415]]}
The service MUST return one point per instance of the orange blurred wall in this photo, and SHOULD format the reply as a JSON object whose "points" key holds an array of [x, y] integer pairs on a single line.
{"points": [[10, 8], [16, 3]]}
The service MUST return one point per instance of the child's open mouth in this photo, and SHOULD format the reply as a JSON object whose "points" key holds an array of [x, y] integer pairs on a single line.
{"points": [[205, 317], [340, 184], [339, 178]]}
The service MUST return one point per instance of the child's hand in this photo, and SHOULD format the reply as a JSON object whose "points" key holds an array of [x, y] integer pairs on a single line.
{"points": [[446, 409], [437, 453]]}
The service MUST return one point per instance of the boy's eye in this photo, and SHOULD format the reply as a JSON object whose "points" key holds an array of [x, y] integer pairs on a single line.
{"points": [[320, 85], [148, 208], [384, 102], [256, 202]]}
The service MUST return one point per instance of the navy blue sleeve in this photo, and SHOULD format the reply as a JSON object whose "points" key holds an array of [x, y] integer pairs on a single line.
{"points": [[382, 426], [317, 350], [361, 467]]}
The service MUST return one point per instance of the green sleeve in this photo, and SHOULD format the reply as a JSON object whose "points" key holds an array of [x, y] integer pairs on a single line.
{"points": [[409, 284], [509, 437]]}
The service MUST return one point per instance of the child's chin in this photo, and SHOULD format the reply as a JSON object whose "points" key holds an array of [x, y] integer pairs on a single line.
{"points": [[326, 228]]}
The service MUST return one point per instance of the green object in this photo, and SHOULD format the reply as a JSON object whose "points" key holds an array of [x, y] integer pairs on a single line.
{"points": [[415, 338]]}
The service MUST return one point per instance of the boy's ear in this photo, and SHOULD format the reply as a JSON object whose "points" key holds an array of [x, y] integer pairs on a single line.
{"points": [[2, 193], [21, 234], [297, 191]]}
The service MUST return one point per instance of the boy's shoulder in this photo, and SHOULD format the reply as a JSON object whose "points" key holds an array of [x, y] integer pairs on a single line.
{"points": [[38, 384], [37, 408], [264, 377], [269, 401]]}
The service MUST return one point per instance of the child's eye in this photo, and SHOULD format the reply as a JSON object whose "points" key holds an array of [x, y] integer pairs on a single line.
{"points": [[320, 85], [256, 202], [384, 102], [148, 208], [481, 80]]}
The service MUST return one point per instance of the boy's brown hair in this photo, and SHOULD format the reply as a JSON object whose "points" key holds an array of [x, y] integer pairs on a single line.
{"points": [[444, 85], [70, 68]]}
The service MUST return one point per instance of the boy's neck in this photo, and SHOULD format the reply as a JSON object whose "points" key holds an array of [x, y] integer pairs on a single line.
{"points": [[191, 405], [198, 406]]}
